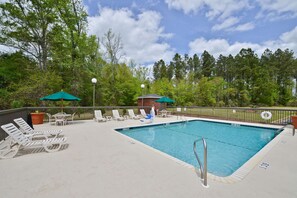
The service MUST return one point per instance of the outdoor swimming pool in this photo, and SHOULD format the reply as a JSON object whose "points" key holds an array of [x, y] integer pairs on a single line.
{"points": [[229, 145]]}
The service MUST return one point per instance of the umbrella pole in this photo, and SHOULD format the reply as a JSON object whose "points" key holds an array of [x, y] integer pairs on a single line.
{"points": [[62, 105]]}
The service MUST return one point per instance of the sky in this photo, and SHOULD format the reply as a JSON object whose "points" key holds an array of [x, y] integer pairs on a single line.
{"points": [[151, 30]]}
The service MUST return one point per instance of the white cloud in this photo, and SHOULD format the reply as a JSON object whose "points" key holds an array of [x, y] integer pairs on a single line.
{"points": [[231, 24], [279, 6], [214, 8], [277, 9], [222, 11], [244, 27], [141, 35], [152, 2], [186, 5], [218, 46], [224, 8], [290, 37], [286, 40], [226, 24], [222, 46]]}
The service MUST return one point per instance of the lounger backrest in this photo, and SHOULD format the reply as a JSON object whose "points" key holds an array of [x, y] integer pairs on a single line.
{"points": [[24, 126], [115, 113], [15, 133], [98, 114], [143, 112], [131, 113]]}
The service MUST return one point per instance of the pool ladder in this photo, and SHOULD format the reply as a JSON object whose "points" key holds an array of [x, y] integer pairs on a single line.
{"points": [[203, 170]]}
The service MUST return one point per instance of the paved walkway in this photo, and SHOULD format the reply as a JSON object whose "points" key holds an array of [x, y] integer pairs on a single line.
{"points": [[98, 162]]}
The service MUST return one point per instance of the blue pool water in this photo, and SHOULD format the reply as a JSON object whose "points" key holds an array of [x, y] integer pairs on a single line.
{"points": [[229, 146]]}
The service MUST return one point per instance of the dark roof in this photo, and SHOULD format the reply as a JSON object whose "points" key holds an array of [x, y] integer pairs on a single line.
{"points": [[150, 96]]}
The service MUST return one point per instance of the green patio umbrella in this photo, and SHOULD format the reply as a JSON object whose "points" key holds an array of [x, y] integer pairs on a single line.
{"points": [[61, 96], [165, 100]]}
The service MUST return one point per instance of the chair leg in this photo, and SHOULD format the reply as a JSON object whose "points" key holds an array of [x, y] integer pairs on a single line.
{"points": [[53, 147], [8, 149]]}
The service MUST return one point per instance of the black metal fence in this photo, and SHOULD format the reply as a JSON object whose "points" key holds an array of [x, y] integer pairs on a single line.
{"points": [[280, 116]]}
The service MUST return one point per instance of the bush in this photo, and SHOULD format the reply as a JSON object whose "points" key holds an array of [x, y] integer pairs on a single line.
{"points": [[102, 111], [292, 103], [17, 104]]}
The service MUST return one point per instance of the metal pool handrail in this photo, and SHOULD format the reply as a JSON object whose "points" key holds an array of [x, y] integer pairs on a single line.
{"points": [[204, 169]]}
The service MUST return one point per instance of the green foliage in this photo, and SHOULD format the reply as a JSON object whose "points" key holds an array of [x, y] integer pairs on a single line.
{"points": [[204, 93], [4, 99], [207, 64], [26, 25], [13, 67], [183, 93], [57, 53], [140, 73], [210, 92], [163, 87], [293, 102], [17, 104], [161, 71], [179, 67], [194, 68], [39, 84], [119, 87]]}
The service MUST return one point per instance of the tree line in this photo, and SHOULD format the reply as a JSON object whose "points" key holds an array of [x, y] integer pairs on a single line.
{"points": [[241, 80], [54, 52]]}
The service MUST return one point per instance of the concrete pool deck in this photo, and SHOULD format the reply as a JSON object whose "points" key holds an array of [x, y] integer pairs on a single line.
{"points": [[99, 162]]}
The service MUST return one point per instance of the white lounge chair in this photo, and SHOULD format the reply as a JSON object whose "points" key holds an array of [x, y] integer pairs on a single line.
{"points": [[132, 115], [49, 144], [148, 119], [26, 128], [8, 148], [99, 117], [143, 114], [116, 115]]}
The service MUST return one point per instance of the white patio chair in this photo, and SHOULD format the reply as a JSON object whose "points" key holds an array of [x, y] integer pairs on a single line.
{"points": [[49, 144], [70, 119], [99, 117], [51, 119], [132, 115], [60, 119], [143, 114], [163, 113], [26, 129], [116, 115]]}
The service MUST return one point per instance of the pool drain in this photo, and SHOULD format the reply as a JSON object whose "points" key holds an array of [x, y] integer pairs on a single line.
{"points": [[264, 165]]}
